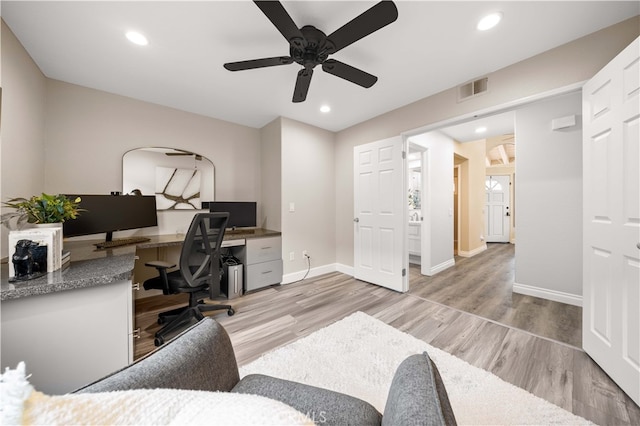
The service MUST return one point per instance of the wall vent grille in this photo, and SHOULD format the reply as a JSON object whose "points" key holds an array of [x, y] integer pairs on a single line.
{"points": [[473, 88]]}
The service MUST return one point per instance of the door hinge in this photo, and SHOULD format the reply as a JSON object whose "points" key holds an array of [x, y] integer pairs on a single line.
{"points": [[404, 155], [404, 272]]}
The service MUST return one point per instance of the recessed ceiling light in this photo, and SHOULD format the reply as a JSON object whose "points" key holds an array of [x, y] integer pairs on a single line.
{"points": [[489, 21], [325, 108], [137, 38], [481, 129]]}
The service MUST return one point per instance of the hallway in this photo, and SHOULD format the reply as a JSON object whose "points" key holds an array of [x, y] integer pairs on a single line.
{"points": [[481, 285]]}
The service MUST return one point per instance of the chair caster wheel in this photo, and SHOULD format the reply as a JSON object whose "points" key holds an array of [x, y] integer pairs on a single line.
{"points": [[158, 341], [230, 312]]}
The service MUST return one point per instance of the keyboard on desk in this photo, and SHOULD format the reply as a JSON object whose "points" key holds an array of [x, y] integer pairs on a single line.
{"points": [[121, 242]]}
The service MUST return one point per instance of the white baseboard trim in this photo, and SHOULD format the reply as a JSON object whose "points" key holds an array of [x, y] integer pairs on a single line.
{"points": [[415, 259], [441, 267], [313, 272], [345, 269], [473, 252], [545, 293]]}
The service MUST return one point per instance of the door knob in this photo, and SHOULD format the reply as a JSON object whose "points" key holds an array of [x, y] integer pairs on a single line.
{"points": [[638, 245], [356, 220]]}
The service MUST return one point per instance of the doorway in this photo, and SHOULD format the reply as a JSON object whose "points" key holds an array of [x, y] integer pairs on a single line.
{"points": [[497, 212]]}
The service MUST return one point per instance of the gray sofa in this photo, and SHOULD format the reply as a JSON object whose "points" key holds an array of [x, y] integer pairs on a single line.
{"points": [[202, 358]]}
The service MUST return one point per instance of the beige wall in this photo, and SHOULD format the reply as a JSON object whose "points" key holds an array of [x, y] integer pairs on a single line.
{"points": [[308, 181], [563, 66], [271, 183], [23, 119], [471, 209]]}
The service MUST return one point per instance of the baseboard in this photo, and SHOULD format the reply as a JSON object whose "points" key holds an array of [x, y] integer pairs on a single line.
{"points": [[441, 267], [313, 272], [345, 269], [415, 259], [473, 252], [544, 293]]}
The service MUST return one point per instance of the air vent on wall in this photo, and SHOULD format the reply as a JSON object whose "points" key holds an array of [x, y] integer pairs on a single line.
{"points": [[472, 88]]}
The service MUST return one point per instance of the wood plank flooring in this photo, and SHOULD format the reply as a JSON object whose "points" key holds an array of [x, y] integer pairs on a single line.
{"points": [[482, 284], [554, 371]]}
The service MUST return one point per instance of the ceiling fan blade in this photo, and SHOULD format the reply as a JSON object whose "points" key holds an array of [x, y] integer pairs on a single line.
{"points": [[302, 85], [349, 73], [282, 21], [258, 63], [380, 15]]}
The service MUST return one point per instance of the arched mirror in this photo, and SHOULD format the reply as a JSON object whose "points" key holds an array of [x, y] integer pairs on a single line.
{"points": [[180, 180]]}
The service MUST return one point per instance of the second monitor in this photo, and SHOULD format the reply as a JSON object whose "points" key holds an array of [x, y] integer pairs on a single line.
{"points": [[242, 214]]}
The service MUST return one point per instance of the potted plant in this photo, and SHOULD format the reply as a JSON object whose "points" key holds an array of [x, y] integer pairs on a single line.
{"points": [[42, 209]]}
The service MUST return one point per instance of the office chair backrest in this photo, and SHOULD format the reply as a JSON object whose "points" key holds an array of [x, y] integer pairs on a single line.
{"points": [[200, 255]]}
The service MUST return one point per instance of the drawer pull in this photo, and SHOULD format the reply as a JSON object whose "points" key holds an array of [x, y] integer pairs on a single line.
{"points": [[266, 272]]}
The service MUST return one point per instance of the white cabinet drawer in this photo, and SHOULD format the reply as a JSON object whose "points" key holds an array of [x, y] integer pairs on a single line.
{"points": [[263, 274], [263, 250]]}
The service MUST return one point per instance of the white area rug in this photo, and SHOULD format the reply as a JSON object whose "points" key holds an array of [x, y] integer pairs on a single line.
{"points": [[359, 354]]}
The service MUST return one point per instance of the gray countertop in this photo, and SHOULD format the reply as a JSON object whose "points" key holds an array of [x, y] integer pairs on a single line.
{"points": [[84, 270], [92, 267]]}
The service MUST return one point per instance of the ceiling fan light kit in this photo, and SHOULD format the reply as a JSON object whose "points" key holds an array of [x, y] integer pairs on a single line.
{"points": [[309, 47]]}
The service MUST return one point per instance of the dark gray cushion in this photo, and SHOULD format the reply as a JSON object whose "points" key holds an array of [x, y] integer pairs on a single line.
{"points": [[323, 406], [417, 395], [200, 358]]}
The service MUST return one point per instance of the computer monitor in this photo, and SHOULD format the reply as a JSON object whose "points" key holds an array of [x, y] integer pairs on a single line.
{"points": [[242, 214], [111, 213]]}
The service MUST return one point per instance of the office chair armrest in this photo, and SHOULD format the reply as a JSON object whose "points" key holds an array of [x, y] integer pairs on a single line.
{"points": [[159, 264], [163, 276]]}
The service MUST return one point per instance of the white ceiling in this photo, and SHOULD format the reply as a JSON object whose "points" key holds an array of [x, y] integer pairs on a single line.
{"points": [[431, 47]]}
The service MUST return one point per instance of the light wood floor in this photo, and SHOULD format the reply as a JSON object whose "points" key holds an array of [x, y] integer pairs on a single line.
{"points": [[555, 371], [482, 284]]}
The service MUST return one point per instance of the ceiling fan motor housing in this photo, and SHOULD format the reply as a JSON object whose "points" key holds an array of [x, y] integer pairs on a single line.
{"points": [[314, 50]]}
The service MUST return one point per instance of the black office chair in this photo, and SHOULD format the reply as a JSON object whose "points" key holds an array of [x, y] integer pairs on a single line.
{"points": [[199, 271]]}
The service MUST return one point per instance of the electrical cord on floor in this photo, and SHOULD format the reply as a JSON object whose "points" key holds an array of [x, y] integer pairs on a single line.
{"points": [[308, 269]]}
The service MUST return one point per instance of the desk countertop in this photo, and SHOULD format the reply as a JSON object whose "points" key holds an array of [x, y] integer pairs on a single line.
{"points": [[91, 267]]}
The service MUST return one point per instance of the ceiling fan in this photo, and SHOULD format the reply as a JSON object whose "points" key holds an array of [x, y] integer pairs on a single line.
{"points": [[308, 46]]}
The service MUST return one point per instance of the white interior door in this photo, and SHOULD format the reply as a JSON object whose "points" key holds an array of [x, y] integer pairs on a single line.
{"points": [[611, 242], [380, 214], [497, 214]]}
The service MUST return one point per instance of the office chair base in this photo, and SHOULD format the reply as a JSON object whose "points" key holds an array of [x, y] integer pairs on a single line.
{"points": [[186, 314]]}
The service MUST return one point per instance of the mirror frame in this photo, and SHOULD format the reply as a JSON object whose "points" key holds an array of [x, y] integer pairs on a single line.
{"points": [[180, 179]]}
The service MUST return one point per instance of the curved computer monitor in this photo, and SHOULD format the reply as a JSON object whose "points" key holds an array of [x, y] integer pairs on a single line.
{"points": [[111, 213], [242, 214]]}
